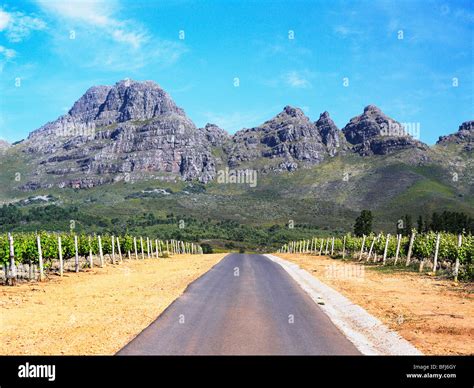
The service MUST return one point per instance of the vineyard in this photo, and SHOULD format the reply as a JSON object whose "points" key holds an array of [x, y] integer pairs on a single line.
{"points": [[447, 253], [33, 256]]}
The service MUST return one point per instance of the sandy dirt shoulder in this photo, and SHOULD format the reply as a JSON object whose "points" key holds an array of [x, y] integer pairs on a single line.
{"points": [[97, 311], [437, 316]]}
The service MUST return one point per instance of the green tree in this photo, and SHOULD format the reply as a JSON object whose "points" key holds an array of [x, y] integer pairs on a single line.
{"points": [[363, 223], [206, 248], [408, 225], [419, 224]]}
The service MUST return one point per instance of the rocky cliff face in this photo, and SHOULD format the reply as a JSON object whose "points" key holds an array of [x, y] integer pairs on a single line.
{"points": [[464, 136], [374, 133], [215, 135], [125, 132], [290, 137], [331, 135]]}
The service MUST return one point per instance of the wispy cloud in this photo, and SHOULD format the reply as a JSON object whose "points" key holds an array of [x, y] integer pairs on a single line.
{"points": [[17, 26], [4, 19], [6, 55], [124, 44], [345, 31], [297, 80], [97, 14]]}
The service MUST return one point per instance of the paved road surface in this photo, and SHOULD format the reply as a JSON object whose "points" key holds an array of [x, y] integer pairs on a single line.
{"points": [[261, 311]]}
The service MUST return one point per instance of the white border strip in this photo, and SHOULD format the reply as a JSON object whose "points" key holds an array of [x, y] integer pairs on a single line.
{"points": [[365, 331]]}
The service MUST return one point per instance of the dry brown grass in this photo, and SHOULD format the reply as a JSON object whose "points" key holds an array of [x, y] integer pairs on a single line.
{"points": [[94, 312], [437, 316]]}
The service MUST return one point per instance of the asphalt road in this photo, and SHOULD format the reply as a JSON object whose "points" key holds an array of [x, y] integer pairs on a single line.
{"points": [[245, 305]]}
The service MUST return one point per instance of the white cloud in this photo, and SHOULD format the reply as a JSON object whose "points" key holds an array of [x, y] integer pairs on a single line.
{"points": [[4, 19], [104, 39], [295, 79], [18, 26], [119, 44], [345, 31], [134, 39], [97, 14], [6, 55]]}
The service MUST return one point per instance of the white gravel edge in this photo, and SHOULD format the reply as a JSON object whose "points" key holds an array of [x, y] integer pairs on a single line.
{"points": [[367, 333]]}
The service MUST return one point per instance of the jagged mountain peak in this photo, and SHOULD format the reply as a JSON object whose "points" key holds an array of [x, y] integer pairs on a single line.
{"points": [[132, 100], [331, 135], [373, 132], [467, 126], [324, 115], [90, 101], [464, 135], [292, 111], [215, 134], [291, 118], [373, 109], [99, 106]]}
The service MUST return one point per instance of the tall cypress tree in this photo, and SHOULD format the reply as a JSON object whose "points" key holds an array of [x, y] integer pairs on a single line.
{"points": [[408, 225], [419, 224]]}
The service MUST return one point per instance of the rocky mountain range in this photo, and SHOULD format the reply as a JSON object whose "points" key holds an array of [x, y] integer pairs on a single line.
{"points": [[133, 131], [464, 136]]}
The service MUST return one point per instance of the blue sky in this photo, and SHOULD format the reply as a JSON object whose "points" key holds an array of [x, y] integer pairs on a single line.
{"points": [[426, 77]]}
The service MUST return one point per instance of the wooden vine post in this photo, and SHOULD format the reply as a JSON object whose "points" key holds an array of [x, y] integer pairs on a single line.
{"points": [[77, 254], [332, 246], [371, 248], [141, 247], [11, 272], [101, 252], [410, 248], [344, 247], [113, 249], [135, 246], [456, 266], [435, 261], [387, 239], [60, 251], [91, 262], [119, 250], [40, 258]]}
